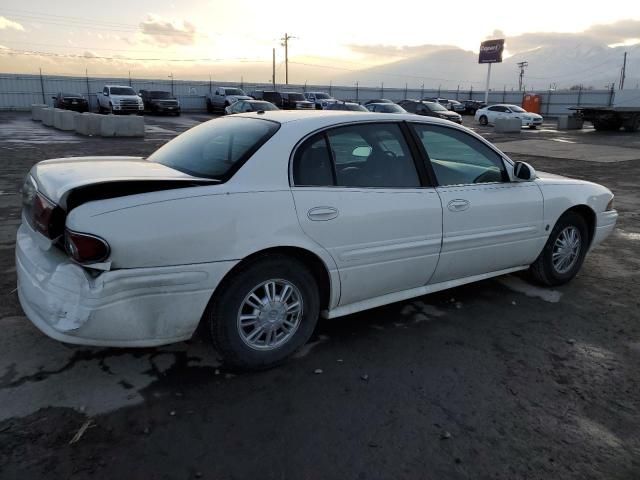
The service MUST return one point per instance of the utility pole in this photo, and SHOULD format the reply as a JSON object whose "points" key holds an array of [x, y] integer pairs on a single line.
{"points": [[623, 72], [521, 66], [285, 44], [171, 77], [273, 71]]}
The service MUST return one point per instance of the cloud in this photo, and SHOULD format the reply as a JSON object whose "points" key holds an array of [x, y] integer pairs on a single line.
{"points": [[397, 51], [599, 35], [5, 23], [165, 33]]}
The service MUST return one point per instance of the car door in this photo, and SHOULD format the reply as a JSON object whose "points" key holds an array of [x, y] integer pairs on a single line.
{"points": [[358, 194], [490, 223]]}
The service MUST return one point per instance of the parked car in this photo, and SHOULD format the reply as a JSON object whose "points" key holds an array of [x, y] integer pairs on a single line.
{"points": [[267, 95], [320, 99], [243, 106], [456, 106], [71, 101], [254, 224], [471, 106], [119, 99], [488, 115], [385, 108], [348, 106], [158, 101], [221, 97], [429, 109], [442, 101], [294, 101], [379, 100]]}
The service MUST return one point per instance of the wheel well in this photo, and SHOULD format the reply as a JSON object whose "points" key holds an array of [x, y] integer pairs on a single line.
{"points": [[311, 260], [589, 216]]}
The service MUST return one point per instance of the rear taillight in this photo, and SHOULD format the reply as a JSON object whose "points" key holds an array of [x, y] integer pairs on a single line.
{"points": [[42, 214], [85, 248]]}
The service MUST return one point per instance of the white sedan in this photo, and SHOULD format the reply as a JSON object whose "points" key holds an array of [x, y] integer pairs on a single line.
{"points": [[489, 115], [258, 223]]}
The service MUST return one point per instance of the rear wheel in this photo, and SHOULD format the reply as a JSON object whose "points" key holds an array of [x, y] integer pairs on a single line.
{"points": [[264, 312], [209, 106], [483, 120], [564, 251], [608, 125]]}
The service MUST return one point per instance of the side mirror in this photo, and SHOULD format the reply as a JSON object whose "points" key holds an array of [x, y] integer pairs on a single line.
{"points": [[106, 94], [523, 171]]}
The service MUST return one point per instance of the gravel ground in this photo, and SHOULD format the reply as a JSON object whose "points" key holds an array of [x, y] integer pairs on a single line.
{"points": [[495, 380]]}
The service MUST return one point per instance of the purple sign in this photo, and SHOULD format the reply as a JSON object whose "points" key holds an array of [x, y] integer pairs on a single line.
{"points": [[491, 51]]}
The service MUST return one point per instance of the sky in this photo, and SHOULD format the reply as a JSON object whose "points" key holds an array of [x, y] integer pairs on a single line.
{"points": [[195, 39]]}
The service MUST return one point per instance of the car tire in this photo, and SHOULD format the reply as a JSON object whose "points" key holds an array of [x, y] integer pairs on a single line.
{"points": [[234, 342], [483, 120], [533, 127], [548, 268]]}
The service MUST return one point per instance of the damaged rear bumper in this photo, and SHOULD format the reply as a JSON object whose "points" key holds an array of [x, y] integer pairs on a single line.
{"points": [[137, 307]]}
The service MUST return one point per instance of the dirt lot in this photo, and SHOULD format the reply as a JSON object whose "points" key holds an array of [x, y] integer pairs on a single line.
{"points": [[500, 379]]}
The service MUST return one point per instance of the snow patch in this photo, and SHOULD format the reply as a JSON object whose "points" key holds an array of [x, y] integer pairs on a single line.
{"points": [[518, 285]]}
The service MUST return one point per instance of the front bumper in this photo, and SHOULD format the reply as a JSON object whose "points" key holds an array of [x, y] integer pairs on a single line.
{"points": [[138, 307], [605, 224], [535, 122]]}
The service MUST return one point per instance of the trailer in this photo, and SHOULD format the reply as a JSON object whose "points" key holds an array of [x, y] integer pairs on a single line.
{"points": [[625, 113]]}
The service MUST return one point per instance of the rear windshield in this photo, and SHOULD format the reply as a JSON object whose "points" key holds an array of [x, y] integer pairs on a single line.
{"points": [[296, 97], [390, 108], [122, 91], [233, 91], [217, 148]]}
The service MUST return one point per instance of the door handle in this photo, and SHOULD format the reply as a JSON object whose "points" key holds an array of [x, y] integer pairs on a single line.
{"points": [[322, 213], [458, 205]]}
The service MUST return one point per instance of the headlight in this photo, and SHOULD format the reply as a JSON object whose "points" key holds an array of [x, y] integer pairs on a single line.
{"points": [[609, 205]]}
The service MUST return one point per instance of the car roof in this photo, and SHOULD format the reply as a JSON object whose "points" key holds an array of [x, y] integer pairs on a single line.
{"points": [[118, 86], [314, 119]]}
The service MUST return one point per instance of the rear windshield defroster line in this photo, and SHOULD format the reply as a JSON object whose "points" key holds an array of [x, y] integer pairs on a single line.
{"points": [[216, 149]]}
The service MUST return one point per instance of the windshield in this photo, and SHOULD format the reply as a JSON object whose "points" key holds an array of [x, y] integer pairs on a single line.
{"points": [[160, 94], [266, 106], [322, 96], [122, 91], [516, 109], [215, 149], [390, 108], [435, 107], [234, 91]]}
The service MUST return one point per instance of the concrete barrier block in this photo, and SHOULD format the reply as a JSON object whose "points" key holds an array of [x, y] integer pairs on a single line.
{"points": [[36, 111], [508, 125], [64, 119], [87, 123], [125, 126], [569, 122], [47, 116]]}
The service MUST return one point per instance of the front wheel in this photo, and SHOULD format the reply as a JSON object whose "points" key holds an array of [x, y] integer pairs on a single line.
{"points": [[264, 312], [483, 120], [564, 252], [533, 127]]}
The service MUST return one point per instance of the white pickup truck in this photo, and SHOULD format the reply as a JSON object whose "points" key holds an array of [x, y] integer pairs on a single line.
{"points": [[222, 97], [119, 99]]}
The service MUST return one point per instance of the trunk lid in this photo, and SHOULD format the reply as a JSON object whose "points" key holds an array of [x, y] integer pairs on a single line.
{"points": [[57, 178]]}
